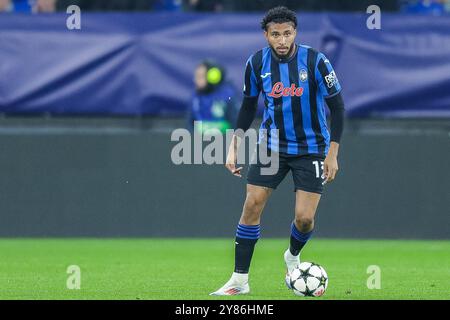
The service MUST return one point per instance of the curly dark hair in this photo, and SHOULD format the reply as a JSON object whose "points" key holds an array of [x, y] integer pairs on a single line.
{"points": [[279, 14]]}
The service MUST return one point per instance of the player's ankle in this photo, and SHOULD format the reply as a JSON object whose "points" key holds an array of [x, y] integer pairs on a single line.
{"points": [[290, 257], [240, 278]]}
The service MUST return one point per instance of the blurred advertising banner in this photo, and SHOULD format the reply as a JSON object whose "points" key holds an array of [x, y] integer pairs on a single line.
{"points": [[143, 63]]}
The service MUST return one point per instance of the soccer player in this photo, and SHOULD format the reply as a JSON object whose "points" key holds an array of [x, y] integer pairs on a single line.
{"points": [[294, 80]]}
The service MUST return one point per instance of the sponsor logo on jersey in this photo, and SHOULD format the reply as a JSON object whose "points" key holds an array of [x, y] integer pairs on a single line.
{"points": [[331, 79], [278, 90]]}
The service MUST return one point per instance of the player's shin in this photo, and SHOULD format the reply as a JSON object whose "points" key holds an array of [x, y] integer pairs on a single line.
{"points": [[246, 238], [298, 240]]}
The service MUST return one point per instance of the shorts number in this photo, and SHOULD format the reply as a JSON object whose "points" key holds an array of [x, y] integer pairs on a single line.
{"points": [[316, 165]]}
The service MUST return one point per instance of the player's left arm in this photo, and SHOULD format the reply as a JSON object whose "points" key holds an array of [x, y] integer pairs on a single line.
{"points": [[330, 165], [331, 90]]}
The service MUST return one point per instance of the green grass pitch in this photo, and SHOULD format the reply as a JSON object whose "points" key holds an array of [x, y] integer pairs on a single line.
{"points": [[184, 269]]}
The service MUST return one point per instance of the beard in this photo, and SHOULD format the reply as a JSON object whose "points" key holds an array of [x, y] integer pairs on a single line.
{"points": [[288, 53]]}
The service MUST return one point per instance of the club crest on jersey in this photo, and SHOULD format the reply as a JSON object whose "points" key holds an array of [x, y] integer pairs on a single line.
{"points": [[278, 91], [303, 75]]}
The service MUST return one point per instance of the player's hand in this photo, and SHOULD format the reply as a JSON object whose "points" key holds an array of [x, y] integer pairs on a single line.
{"points": [[230, 163], [330, 168]]}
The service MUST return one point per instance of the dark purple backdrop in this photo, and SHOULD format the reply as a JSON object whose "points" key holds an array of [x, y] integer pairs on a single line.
{"points": [[142, 63]]}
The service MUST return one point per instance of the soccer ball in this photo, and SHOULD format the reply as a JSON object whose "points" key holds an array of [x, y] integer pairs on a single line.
{"points": [[309, 279]]}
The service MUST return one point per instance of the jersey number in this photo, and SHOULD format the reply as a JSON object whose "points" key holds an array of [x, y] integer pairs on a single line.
{"points": [[316, 165]]}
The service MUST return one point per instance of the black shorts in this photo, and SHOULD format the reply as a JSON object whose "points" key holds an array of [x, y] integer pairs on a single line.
{"points": [[306, 171]]}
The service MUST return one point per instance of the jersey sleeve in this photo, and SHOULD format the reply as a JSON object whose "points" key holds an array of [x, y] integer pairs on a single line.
{"points": [[327, 80], [251, 88]]}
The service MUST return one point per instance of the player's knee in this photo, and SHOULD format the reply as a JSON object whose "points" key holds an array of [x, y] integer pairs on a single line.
{"points": [[305, 224], [254, 203]]}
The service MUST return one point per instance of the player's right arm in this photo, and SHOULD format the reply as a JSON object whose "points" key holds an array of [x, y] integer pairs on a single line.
{"points": [[245, 118]]}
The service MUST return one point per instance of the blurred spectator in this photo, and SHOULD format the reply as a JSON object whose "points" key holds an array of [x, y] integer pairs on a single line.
{"points": [[107, 5], [304, 5], [167, 5], [5, 6], [45, 6], [206, 5], [17, 5], [214, 101], [28, 6], [216, 5], [433, 7]]}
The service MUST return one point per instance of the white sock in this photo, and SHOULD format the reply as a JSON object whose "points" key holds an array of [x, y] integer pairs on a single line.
{"points": [[241, 278]]}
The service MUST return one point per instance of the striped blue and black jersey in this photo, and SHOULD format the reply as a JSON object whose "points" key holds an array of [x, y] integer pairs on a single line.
{"points": [[294, 90]]}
